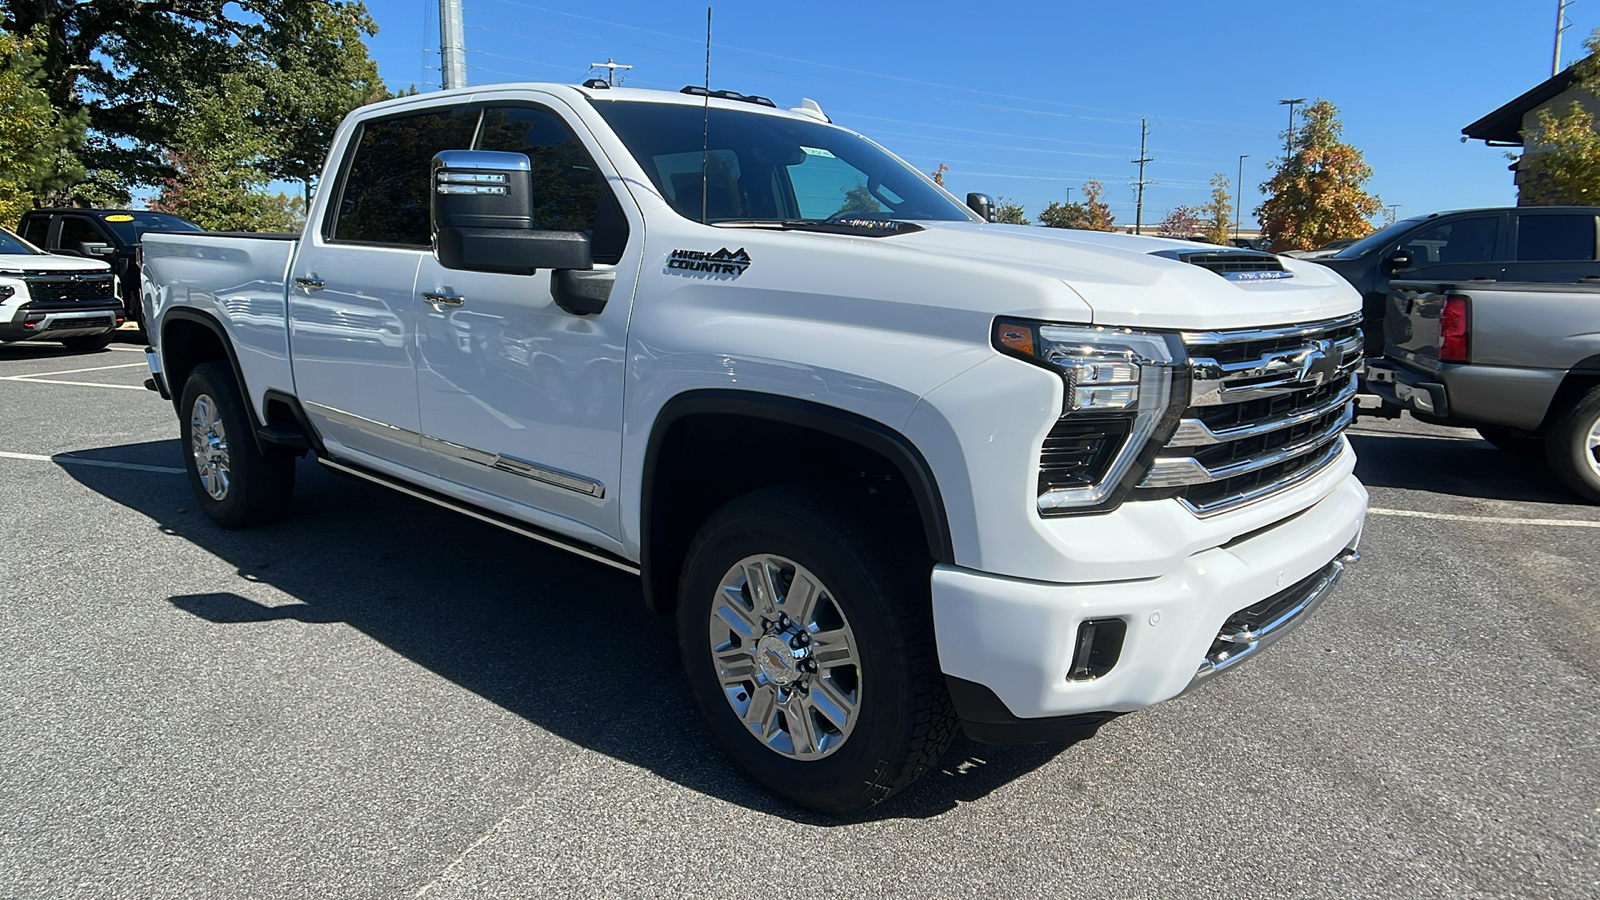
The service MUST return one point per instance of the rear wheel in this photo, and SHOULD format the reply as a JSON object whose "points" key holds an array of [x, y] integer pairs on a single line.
{"points": [[1512, 441], [236, 484], [806, 629], [87, 343], [1573, 446]]}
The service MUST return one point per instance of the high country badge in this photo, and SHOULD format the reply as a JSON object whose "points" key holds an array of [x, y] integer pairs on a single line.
{"points": [[722, 262]]}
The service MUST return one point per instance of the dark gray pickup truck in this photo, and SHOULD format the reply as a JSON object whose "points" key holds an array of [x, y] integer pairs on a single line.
{"points": [[1518, 361]]}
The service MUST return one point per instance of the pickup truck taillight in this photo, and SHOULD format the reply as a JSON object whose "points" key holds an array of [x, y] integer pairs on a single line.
{"points": [[1453, 322]]}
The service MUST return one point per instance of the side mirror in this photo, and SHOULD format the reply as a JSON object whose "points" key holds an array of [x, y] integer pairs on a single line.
{"points": [[982, 204], [1400, 259], [482, 211], [97, 249]]}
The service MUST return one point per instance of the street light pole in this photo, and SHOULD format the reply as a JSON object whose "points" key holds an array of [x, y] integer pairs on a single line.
{"points": [[1238, 195], [1288, 143]]}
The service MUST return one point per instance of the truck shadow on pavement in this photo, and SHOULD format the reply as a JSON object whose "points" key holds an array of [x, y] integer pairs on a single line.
{"points": [[564, 643], [1464, 467]]}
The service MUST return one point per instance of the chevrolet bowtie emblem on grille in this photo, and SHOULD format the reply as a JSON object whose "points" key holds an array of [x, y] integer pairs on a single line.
{"points": [[1317, 366]]}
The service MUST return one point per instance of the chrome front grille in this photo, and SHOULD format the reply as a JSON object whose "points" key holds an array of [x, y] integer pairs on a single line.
{"points": [[1266, 411]]}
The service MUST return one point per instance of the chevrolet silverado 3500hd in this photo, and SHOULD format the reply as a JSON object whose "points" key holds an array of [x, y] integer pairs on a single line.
{"points": [[893, 467]]}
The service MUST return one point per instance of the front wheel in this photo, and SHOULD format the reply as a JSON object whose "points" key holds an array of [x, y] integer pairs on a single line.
{"points": [[236, 484], [1573, 446], [806, 630]]}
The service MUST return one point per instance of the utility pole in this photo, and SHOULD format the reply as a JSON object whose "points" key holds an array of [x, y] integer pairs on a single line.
{"points": [[611, 66], [1238, 195], [1138, 207], [1561, 25], [1394, 216], [452, 45], [1288, 143]]}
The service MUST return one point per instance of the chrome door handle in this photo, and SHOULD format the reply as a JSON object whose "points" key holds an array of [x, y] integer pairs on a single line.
{"points": [[443, 299], [310, 284]]}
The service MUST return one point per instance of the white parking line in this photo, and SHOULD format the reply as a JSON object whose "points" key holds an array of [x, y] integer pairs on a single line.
{"points": [[1485, 520], [72, 371], [120, 387], [65, 459]]}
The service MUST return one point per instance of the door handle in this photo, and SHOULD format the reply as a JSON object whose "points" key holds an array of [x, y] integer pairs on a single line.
{"points": [[439, 298], [311, 284]]}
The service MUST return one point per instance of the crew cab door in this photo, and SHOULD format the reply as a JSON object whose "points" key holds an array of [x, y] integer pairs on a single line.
{"points": [[352, 287], [520, 399]]}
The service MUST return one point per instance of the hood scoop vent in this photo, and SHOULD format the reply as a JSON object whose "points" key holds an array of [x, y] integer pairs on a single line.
{"points": [[1234, 265]]}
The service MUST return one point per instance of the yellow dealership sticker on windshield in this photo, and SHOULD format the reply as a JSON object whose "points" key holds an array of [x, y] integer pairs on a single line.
{"points": [[119, 218]]}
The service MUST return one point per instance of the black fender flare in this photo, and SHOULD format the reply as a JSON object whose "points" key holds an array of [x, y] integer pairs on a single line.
{"points": [[853, 427]]}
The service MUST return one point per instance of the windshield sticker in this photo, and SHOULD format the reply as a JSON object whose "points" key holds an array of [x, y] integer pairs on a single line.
{"points": [[722, 262], [818, 151], [119, 218]]}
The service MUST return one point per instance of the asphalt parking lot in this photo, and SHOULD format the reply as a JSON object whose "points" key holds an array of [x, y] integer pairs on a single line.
{"points": [[377, 698]]}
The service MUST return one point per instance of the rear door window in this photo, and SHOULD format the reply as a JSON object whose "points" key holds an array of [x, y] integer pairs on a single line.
{"points": [[385, 193], [1555, 237]]}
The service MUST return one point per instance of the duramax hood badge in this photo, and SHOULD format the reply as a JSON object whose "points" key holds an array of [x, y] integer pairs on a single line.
{"points": [[722, 262]]}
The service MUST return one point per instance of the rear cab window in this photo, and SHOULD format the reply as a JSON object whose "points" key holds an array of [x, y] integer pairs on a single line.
{"points": [[1555, 237]]}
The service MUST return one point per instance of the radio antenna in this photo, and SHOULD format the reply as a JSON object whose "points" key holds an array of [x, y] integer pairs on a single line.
{"points": [[705, 122]]}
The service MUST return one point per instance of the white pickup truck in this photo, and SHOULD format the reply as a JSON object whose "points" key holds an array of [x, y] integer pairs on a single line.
{"points": [[892, 466]]}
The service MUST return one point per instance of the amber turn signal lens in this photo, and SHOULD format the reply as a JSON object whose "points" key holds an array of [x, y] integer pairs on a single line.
{"points": [[1014, 337]]}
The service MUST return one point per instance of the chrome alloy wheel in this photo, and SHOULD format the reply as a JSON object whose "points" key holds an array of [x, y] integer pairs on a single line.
{"points": [[208, 441], [1592, 445], [786, 657]]}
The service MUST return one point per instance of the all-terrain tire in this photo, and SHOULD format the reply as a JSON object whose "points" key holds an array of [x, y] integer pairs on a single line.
{"points": [[876, 577], [234, 483]]}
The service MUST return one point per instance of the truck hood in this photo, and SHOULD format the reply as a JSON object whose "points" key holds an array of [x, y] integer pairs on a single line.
{"points": [[1123, 284], [11, 263]]}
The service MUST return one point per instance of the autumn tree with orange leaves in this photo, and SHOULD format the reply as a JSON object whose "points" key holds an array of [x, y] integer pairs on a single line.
{"points": [[1319, 193]]}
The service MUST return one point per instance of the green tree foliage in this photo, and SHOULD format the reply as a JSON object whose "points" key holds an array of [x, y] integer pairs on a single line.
{"points": [[36, 141], [134, 69], [1217, 214], [1318, 194], [1092, 214], [859, 199], [1008, 213], [220, 171], [1560, 164]]}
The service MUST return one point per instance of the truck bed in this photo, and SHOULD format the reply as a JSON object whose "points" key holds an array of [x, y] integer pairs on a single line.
{"points": [[238, 280]]}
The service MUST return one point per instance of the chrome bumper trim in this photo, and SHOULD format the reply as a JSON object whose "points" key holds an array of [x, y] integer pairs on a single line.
{"points": [[1251, 642]]}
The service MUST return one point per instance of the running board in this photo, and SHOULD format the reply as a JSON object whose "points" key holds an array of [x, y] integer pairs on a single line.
{"points": [[534, 532]]}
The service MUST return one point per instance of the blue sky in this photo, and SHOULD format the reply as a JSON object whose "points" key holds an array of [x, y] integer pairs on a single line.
{"points": [[1027, 99]]}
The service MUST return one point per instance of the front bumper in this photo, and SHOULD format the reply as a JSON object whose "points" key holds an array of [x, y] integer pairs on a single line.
{"points": [[39, 320], [1007, 645]]}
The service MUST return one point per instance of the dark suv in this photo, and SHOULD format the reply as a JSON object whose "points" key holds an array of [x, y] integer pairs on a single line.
{"points": [[111, 235], [1552, 244]]}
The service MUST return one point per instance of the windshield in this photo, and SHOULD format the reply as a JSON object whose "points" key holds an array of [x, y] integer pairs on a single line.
{"points": [[767, 168], [10, 243], [1377, 238], [131, 226]]}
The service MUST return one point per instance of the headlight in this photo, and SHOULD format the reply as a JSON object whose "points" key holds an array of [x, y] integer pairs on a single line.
{"points": [[1119, 394]]}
